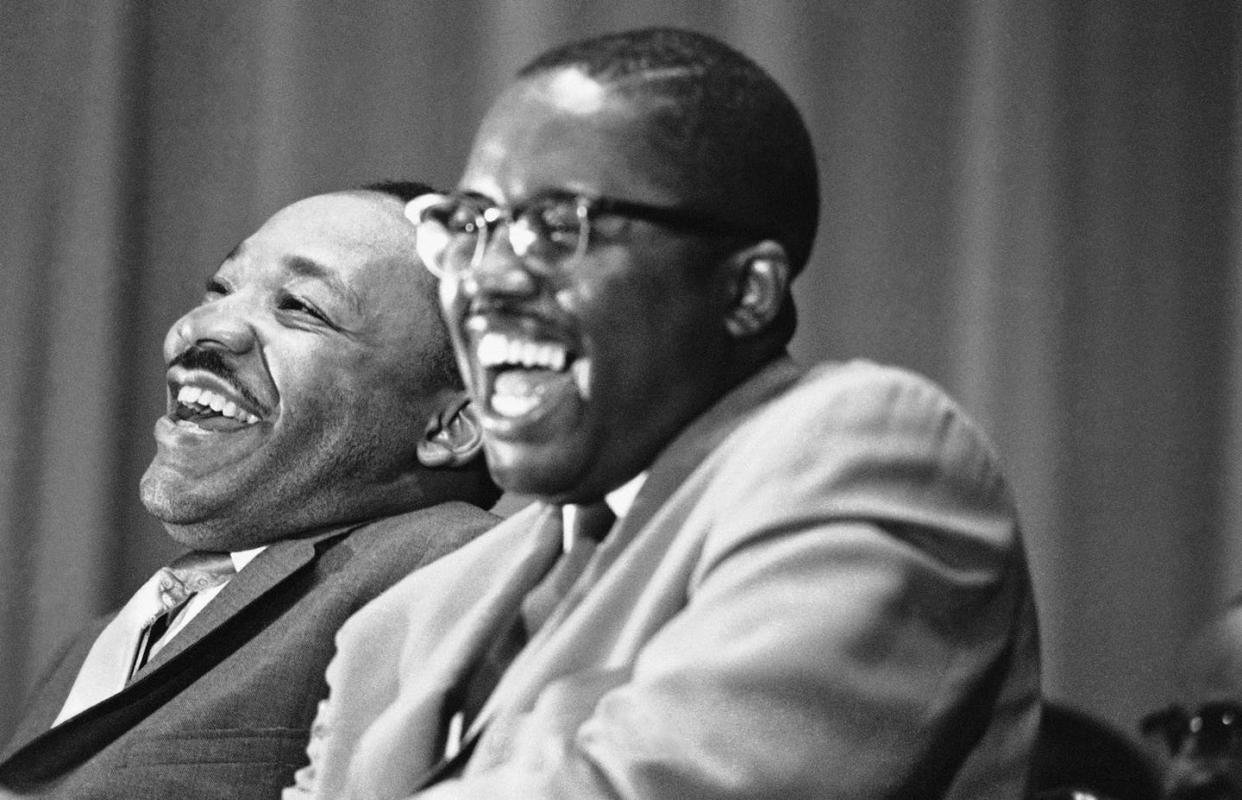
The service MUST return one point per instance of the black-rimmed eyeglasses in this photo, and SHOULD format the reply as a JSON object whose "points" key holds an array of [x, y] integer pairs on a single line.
{"points": [[454, 231], [1214, 728]]}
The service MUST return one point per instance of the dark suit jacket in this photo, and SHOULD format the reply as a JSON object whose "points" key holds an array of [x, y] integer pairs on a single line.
{"points": [[820, 591], [224, 710]]}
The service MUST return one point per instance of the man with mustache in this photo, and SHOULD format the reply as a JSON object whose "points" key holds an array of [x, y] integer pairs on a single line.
{"points": [[814, 586], [318, 446]]}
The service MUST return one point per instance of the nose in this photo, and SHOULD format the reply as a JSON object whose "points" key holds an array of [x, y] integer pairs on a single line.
{"points": [[219, 323], [500, 272]]}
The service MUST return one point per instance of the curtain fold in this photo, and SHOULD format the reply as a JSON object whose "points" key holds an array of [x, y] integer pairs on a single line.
{"points": [[1034, 204], [62, 305]]}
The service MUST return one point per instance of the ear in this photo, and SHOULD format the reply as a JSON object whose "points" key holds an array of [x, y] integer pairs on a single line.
{"points": [[760, 281], [453, 437]]}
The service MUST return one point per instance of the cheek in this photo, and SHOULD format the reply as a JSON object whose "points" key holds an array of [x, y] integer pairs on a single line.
{"points": [[399, 398], [610, 301], [363, 425], [312, 365]]}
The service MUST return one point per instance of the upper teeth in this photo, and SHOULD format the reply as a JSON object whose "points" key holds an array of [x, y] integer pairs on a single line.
{"points": [[196, 395], [495, 349]]}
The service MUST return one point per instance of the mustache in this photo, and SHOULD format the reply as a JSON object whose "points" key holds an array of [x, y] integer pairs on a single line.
{"points": [[209, 359]]}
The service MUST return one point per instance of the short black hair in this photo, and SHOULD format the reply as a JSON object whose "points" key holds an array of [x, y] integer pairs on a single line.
{"points": [[405, 191], [445, 364], [737, 135]]}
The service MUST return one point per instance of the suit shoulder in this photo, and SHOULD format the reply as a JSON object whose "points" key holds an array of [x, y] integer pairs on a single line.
{"points": [[486, 554], [865, 389], [389, 548], [440, 527], [858, 440], [488, 545], [864, 402]]}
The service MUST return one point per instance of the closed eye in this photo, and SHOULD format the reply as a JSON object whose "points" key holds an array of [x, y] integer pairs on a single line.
{"points": [[215, 289], [297, 305]]}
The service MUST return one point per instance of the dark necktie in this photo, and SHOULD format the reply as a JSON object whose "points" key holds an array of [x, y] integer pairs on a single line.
{"points": [[191, 573], [123, 645], [590, 524]]}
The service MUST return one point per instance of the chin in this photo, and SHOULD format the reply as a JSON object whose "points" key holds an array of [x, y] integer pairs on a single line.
{"points": [[173, 509], [214, 536], [532, 479], [193, 521], [166, 497], [190, 524], [160, 505]]}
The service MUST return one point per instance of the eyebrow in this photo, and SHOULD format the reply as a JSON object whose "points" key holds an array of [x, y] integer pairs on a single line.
{"points": [[538, 196], [310, 268]]}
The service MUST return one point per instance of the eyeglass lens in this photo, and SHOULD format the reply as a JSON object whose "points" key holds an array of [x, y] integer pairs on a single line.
{"points": [[1214, 728], [455, 233]]}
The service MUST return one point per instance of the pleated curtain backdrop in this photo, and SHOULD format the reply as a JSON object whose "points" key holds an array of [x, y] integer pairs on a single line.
{"points": [[1034, 203]]}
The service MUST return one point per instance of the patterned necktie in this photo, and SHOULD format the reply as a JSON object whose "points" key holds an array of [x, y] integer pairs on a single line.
{"points": [[590, 523], [125, 643]]}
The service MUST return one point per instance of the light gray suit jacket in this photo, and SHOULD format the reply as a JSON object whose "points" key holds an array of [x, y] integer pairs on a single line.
{"points": [[819, 592]]}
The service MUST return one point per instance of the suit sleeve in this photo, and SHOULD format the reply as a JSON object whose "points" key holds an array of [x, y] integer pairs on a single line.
{"points": [[845, 631]]}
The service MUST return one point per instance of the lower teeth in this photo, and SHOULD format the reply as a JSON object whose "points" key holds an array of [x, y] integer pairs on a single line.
{"points": [[510, 405]]}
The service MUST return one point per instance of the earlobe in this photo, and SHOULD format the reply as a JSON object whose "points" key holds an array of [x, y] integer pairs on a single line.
{"points": [[453, 437], [762, 280]]}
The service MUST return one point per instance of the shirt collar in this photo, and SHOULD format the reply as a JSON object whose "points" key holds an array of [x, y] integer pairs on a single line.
{"points": [[243, 557], [619, 500]]}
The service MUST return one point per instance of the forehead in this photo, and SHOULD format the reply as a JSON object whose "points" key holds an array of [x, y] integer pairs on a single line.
{"points": [[563, 130], [359, 245], [345, 230]]}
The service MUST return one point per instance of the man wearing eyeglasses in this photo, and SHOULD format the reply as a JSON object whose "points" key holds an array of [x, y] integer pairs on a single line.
{"points": [[1202, 737], [743, 579]]}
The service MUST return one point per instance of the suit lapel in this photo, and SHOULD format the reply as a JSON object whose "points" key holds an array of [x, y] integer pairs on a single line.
{"points": [[546, 547], [268, 570], [48, 751], [453, 655], [700, 439]]}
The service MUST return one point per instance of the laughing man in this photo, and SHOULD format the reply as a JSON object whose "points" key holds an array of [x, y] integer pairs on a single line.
{"points": [[815, 585], [318, 446]]}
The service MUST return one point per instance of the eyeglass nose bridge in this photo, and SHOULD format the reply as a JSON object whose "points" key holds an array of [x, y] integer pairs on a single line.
{"points": [[1216, 728], [517, 227]]}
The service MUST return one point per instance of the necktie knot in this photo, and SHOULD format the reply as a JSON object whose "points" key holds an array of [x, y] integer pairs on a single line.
{"points": [[200, 570], [128, 640], [592, 521], [587, 526], [194, 572]]}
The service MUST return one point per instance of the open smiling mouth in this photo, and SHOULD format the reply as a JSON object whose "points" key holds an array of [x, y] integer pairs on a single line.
{"points": [[211, 409], [524, 376]]}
